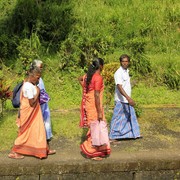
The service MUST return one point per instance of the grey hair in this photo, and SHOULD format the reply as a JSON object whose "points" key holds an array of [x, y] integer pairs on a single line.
{"points": [[34, 70], [36, 63]]}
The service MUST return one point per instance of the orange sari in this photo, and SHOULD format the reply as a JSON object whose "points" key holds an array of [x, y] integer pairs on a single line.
{"points": [[31, 138], [89, 114]]}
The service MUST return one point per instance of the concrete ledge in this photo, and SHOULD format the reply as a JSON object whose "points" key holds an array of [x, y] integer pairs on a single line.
{"points": [[153, 165]]}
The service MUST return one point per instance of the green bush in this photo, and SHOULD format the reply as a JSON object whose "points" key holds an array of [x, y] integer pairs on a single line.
{"points": [[26, 54], [139, 61], [6, 79], [74, 32], [54, 23], [171, 77], [90, 28], [108, 75]]}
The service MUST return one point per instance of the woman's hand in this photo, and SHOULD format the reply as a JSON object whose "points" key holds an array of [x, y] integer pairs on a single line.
{"points": [[121, 90], [100, 116], [80, 79]]}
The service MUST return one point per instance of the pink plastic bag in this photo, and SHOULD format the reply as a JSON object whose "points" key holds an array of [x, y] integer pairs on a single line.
{"points": [[99, 133]]}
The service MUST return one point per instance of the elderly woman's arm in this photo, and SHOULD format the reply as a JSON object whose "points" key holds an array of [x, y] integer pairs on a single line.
{"points": [[34, 100]]}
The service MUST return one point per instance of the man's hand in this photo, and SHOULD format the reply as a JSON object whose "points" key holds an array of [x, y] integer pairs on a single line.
{"points": [[131, 102]]}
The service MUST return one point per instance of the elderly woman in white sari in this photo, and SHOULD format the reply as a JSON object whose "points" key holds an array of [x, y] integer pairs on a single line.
{"points": [[44, 107]]}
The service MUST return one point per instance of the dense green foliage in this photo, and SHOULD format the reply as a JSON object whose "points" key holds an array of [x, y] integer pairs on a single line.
{"points": [[45, 23], [83, 29], [5, 84], [67, 34]]}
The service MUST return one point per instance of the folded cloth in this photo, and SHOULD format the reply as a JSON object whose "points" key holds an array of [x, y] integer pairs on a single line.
{"points": [[44, 97]]}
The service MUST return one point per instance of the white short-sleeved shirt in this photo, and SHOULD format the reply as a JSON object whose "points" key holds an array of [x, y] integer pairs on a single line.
{"points": [[29, 90], [122, 77]]}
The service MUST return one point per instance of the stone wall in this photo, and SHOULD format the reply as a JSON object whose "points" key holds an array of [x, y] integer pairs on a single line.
{"points": [[92, 170]]}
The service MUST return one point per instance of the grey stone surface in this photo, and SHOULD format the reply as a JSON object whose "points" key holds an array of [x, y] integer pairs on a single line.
{"points": [[22, 177], [159, 164], [151, 158]]}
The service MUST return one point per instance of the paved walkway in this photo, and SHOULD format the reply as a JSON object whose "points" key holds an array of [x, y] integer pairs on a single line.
{"points": [[155, 156], [68, 163]]}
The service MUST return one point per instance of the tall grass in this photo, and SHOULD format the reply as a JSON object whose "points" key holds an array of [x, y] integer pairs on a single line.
{"points": [[157, 22], [149, 94], [62, 86], [166, 69], [8, 130]]}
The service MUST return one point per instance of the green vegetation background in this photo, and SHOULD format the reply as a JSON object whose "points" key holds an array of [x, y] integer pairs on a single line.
{"points": [[68, 34]]}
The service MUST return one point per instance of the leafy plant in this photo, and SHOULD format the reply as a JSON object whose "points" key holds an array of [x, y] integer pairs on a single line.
{"points": [[5, 92], [108, 75], [140, 63], [28, 50], [172, 77], [54, 23], [138, 110]]}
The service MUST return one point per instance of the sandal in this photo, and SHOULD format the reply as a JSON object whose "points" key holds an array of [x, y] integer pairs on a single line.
{"points": [[50, 152], [14, 155], [97, 158], [140, 137]]}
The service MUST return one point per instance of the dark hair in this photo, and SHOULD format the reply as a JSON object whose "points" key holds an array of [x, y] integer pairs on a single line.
{"points": [[124, 56], [95, 65]]}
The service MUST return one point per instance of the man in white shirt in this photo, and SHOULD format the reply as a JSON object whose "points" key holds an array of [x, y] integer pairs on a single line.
{"points": [[124, 123]]}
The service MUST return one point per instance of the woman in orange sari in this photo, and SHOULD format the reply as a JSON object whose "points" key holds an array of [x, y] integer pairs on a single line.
{"points": [[92, 109], [31, 138]]}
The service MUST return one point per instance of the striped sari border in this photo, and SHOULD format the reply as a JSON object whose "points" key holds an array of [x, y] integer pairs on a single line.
{"points": [[31, 151]]}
